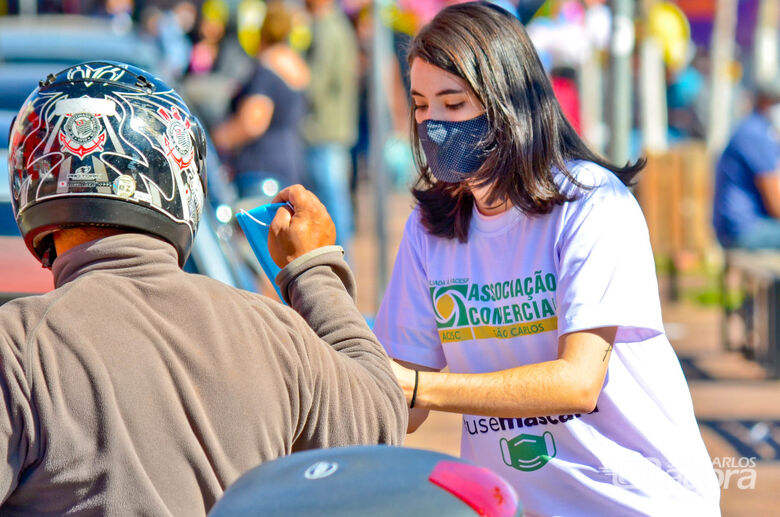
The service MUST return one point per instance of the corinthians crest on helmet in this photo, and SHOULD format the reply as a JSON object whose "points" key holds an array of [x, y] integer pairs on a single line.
{"points": [[177, 140], [82, 132]]}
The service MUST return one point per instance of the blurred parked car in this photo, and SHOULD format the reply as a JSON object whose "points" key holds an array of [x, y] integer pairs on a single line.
{"points": [[68, 40], [32, 48]]}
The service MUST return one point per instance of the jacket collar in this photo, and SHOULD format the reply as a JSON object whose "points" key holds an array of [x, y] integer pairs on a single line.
{"points": [[126, 254]]}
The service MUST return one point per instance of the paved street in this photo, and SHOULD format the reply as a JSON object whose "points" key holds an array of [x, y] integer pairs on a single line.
{"points": [[738, 409]]}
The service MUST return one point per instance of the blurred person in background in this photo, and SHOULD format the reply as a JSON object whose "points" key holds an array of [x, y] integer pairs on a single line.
{"points": [[563, 44], [397, 154], [687, 94], [217, 50], [563, 80], [167, 30], [263, 134], [218, 64], [330, 127], [746, 205], [362, 19], [211, 29], [119, 13], [526, 269]]}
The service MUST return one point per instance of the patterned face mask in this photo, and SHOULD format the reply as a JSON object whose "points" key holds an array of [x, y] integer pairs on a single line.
{"points": [[452, 149]]}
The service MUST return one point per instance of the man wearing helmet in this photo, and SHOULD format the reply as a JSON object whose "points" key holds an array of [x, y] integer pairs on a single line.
{"points": [[136, 388]]}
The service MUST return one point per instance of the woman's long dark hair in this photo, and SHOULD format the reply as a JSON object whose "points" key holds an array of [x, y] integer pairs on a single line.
{"points": [[529, 136]]}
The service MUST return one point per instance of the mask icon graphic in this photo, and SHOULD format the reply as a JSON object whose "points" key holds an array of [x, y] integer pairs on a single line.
{"points": [[528, 452]]}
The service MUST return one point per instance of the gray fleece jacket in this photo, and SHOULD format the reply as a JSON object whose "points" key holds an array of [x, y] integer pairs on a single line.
{"points": [[135, 388]]}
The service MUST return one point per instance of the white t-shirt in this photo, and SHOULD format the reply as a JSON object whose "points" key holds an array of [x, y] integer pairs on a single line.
{"points": [[503, 299]]}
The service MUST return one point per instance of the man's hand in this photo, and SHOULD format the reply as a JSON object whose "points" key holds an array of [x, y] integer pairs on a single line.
{"points": [[307, 228]]}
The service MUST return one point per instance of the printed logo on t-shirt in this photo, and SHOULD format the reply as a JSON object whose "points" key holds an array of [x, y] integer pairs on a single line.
{"points": [[528, 307], [484, 425], [528, 452]]}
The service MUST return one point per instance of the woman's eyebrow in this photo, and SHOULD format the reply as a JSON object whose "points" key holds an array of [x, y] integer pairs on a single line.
{"points": [[448, 91]]}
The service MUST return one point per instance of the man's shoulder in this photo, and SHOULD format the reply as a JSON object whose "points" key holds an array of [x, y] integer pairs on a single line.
{"points": [[21, 316], [214, 288], [260, 304], [754, 130]]}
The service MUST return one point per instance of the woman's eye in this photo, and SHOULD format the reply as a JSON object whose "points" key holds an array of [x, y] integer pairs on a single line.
{"points": [[419, 107], [455, 106]]}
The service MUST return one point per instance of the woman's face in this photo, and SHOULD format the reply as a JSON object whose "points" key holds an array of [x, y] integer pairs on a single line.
{"points": [[440, 95]]}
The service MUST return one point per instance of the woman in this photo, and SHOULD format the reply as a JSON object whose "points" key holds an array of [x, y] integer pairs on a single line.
{"points": [[526, 269], [263, 133]]}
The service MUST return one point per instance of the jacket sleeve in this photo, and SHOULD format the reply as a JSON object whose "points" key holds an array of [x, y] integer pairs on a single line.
{"points": [[16, 417], [355, 398]]}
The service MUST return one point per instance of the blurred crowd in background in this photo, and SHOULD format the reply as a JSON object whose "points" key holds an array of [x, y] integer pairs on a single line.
{"points": [[285, 86]]}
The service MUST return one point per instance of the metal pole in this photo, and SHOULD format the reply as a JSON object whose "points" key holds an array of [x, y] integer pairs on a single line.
{"points": [[722, 52], [766, 41], [652, 90], [379, 123], [621, 49], [592, 105]]}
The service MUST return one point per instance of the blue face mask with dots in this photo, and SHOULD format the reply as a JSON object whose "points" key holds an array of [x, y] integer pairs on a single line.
{"points": [[452, 149]]}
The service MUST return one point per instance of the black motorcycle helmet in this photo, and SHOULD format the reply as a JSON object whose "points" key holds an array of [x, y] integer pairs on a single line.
{"points": [[106, 144]]}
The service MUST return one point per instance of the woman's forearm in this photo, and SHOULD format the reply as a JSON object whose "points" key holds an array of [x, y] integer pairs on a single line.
{"points": [[569, 384], [538, 389]]}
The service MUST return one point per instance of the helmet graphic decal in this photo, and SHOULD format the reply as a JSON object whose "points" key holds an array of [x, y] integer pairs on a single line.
{"points": [[85, 71], [36, 144], [82, 132], [124, 185], [176, 140]]}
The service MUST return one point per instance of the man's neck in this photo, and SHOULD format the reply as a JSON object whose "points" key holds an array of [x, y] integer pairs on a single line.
{"points": [[72, 237]]}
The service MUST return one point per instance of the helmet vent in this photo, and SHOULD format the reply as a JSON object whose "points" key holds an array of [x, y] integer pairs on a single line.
{"points": [[143, 82], [43, 83]]}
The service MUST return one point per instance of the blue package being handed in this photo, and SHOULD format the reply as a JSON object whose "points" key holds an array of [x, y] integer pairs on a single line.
{"points": [[256, 223]]}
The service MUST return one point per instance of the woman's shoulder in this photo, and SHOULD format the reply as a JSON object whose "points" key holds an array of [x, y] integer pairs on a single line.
{"points": [[415, 232], [261, 79], [592, 181], [288, 66], [414, 224]]}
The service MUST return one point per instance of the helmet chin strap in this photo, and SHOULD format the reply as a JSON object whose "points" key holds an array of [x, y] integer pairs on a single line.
{"points": [[48, 251]]}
